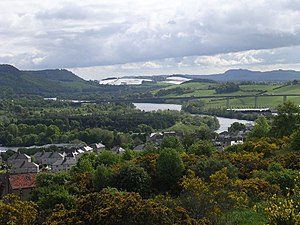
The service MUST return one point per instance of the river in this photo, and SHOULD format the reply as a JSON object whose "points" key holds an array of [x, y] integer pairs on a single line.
{"points": [[224, 122]]}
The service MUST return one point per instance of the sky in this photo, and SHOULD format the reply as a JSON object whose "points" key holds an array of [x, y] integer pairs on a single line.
{"points": [[97, 38]]}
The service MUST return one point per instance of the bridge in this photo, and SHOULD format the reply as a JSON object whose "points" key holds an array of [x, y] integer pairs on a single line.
{"points": [[227, 97]]}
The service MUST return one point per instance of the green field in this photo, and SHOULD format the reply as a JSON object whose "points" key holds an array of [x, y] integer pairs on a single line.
{"points": [[198, 89]]}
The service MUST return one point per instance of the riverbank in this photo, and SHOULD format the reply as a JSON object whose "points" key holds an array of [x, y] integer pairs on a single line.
{"points": [[224, 122]]}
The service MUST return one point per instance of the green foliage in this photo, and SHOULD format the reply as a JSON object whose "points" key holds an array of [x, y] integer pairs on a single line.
{"points": [[228, 87], [119, 208], [15, 211], [202, 147], [46, 179], [193, 106], [261, 128], [276, 174], [171, 142], [169, 169], [103, 177], [107, 158], [84, 165], [49, 197], [283, 210], [133, 179], [287, 119], [205, 168], [295, 140], [242, 216], [236, 127]]}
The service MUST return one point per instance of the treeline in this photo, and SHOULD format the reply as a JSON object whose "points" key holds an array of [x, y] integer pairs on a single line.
{"points": [[227, 87], [175, 91], [27, 124]]}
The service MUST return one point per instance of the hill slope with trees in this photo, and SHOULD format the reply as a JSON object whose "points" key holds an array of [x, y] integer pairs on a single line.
{"points": [[14, 81]]}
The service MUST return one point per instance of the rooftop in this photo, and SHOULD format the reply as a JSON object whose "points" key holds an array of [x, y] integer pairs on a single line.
{"points": [[21, 181]]}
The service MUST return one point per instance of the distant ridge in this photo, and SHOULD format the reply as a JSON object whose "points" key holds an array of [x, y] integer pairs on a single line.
{"points": [[41, 82], [248, 75], [55, 74], [235, 75]]}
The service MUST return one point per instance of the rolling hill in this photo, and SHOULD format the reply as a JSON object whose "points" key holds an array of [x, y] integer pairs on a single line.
{"points": [[42, 82], [248, 75]]}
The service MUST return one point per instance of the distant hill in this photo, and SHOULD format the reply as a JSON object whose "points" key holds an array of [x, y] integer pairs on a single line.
{"points": [[56, 75], [42, 82], [247, 75]]}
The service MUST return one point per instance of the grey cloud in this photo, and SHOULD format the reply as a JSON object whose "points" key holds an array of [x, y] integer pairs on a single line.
{"points": [[73, 34]]}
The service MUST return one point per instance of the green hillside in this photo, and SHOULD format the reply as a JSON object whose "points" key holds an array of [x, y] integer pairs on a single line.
{"points": [[44, 82], [198, 89]]}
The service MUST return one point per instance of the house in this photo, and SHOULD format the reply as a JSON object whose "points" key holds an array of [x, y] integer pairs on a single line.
{"points": [[87, 149], [22, 184], [158, 137], [224, 135], [118, 150], [155, 137], [64, 164], [237, 142], [140, 147], [100, 147], [24, 167], [47, 158], [17, 158]]}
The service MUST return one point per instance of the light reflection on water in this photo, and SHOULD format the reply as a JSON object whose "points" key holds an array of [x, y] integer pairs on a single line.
{"points": [[224, 122]]}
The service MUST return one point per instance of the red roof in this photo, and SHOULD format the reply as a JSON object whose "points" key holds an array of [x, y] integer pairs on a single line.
{"points": [[21, 181]]}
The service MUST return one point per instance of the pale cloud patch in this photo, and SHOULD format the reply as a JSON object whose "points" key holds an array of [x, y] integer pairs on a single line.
{"points": [[232, 59], [150, 36]]}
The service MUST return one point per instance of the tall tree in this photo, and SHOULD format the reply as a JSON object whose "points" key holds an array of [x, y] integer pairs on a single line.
{"points": [[287, 119], [261, 128], [169, 169]]}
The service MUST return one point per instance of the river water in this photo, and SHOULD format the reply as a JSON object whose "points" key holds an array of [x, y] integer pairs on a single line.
{"points": [[224, 122], [147, 107]]}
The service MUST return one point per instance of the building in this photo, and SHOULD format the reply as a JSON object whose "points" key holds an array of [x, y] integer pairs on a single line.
{"points": [[47, 158], [87, 149], [140, 147], [99, 147], [63, 164], [118, 150], [24, 167], [22, 184], [158, 137], [17, 158]]}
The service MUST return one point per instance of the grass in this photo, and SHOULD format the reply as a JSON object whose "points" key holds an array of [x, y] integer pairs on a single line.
{"points": [[205, 89], [242, 217]]}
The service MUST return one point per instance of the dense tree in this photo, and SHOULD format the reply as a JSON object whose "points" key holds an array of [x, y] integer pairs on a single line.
{"points": [[134, 179], [169, 169], [45, 179], [107, 158], [193, 106], [276, 174], [103, 177], [261, 128], [84, 165], [287, 119], [202, 147], [171, 142], [205, 168], [236, 127], [15, 211], [119, 208], [227, 87], [295, 140]]}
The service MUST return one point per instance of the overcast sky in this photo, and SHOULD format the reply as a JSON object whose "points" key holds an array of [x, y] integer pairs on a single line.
{"points": [[97, 38]]}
